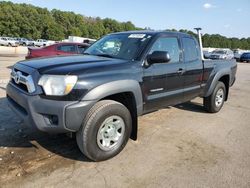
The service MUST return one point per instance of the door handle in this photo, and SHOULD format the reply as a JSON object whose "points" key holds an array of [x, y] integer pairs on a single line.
{"points": [[180, 71]]}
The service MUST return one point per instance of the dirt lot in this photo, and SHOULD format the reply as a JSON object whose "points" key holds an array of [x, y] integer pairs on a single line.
{"points": [[180, 146], [13, 51]]}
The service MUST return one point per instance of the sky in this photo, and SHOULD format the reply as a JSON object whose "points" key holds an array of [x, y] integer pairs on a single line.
{"points": [[226, 17]]}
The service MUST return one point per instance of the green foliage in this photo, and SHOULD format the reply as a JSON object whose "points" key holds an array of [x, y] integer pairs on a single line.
{"points": [[23, 20], [218, 41]]}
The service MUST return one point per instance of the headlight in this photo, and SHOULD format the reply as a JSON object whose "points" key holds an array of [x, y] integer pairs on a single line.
{"points": [[57, 84]]}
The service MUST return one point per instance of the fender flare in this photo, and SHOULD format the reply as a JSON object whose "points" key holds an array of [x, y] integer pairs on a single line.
{"points": [[215, 80], [116, 87]]}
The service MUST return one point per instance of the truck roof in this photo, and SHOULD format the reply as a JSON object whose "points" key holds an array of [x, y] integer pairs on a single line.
{"points": [[153, 32]]}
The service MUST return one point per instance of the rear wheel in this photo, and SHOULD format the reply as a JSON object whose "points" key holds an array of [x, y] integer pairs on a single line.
{"points": [[215, 101], [105, 131]]}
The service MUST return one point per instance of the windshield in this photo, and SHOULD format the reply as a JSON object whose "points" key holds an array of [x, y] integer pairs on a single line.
{"points": [[121, 46], [220, 52]]}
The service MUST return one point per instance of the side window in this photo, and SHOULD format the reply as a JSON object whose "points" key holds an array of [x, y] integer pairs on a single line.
{"points": [[168, 44], [66, 48], [81, 48], [190, 49]]}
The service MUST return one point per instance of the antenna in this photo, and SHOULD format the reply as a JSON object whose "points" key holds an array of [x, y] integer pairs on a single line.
{"points": [[198, 29]]}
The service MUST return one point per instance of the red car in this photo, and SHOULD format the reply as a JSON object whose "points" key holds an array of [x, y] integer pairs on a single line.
{"points": [[64, 48]]}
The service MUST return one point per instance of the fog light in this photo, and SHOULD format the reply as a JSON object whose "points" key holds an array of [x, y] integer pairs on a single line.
{"points": [[51, 119], [54, 120]]}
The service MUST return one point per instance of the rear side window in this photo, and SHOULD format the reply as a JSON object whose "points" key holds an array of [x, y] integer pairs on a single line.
{"points": [[168, 44], [190, 49], [67, 48]]}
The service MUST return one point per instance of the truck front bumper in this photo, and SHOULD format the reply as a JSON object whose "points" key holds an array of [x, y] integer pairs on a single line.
{"points": [[47, 115]]}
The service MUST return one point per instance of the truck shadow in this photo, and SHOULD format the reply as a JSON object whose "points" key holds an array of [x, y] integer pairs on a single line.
{"points": [[191, 106], [15, 135]]}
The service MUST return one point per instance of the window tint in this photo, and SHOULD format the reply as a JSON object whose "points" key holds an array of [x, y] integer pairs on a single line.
{"points": [[81, 48], [190, 49], [66, 48], [168, 44]]}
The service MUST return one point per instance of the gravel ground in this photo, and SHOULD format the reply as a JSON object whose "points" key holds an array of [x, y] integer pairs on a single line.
{"points": [[181, 146], [5, 67]]}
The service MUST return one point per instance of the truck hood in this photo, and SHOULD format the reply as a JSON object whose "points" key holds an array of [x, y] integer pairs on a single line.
{"points": [[74, 64]]}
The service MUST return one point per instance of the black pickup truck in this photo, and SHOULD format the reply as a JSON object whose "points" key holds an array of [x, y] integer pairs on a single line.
{"points": [[100, 94]]}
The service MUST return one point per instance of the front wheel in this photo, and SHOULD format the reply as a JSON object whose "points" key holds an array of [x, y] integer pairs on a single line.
{"points": [[105, 131], [215, 101]]}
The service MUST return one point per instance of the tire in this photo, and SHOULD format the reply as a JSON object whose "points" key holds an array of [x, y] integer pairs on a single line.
{"points": [[95, 133], [215, 101]]}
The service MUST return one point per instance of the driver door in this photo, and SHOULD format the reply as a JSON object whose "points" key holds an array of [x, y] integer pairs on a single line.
{"points": [[163, 82]]}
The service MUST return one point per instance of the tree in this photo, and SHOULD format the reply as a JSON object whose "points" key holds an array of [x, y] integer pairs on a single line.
{"points": [[54, 32], [23, 20], [128, 26]]}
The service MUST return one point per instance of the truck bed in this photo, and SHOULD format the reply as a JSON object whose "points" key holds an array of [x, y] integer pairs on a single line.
{"points": [[216, 68]]}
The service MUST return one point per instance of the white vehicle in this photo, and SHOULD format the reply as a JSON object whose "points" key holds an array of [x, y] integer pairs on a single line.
{"points": [[3, 41], [7, 41], [43, 42], [238, 53], [207, 52], [80, 40], [222, 54]]}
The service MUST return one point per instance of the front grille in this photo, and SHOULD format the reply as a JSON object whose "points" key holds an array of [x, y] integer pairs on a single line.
{"points": [[20, 85], [23, 73], [22, 80]]}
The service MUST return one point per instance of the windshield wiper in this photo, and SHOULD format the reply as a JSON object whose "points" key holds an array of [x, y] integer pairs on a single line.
{"points": [[104, 55]]}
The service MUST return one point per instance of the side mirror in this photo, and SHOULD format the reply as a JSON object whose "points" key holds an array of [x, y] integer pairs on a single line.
{"points": [[158, 57]]}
